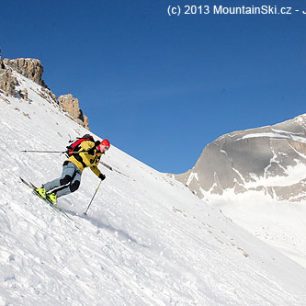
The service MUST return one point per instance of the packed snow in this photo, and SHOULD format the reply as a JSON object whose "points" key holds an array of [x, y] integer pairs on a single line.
{"points": [[147, 240]]}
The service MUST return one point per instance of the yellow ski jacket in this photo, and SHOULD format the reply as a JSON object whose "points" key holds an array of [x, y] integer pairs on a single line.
{"points": [[87, 156]]}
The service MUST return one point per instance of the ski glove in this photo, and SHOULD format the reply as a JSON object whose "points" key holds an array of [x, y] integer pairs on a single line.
{"points": [[102, 177]]}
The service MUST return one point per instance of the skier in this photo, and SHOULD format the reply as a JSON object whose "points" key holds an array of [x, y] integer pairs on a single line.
{"points": [[88, 154]]}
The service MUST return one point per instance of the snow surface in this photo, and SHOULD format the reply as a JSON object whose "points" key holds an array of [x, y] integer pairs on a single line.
{"points": [[278, 223], [279, 135], [147, 240]]}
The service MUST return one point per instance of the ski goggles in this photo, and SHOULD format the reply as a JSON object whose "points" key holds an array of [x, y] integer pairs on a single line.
{"points": [[102, 148]]}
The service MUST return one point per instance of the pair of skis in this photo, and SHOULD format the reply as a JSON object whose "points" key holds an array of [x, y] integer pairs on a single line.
{"points": [[33, 187]]}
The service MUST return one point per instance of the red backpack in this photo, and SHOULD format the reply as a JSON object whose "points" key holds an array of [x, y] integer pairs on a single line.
{"points": [[75, 146]]}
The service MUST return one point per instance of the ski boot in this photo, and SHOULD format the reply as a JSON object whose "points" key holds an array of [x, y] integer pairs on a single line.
{"points": [[41, 192], [52, 198]]}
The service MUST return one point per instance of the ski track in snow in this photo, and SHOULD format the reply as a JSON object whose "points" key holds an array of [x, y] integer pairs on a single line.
{"points": [[147, 240]]}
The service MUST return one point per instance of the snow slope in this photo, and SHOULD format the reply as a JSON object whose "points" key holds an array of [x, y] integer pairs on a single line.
{"points": [[146, 241], [278, 223]]}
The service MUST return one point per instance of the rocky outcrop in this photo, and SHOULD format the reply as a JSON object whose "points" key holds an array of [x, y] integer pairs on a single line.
{"points": [[33, 70], [86, 121], [259, 159], [48, 95], [28, 67], [70, 104], [8, 82]]}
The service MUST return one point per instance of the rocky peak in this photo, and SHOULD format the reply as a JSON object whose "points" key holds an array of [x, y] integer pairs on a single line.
{"points": [[29, 67], [70, 104], [33, 70], [7, 81], [261, 159]]}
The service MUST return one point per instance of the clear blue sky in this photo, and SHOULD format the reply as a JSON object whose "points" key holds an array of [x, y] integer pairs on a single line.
{"points": [[159, 87]]}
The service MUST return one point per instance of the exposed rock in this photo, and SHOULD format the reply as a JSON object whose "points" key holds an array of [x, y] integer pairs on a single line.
{"points": [[28, 67], [70, 104], [8, 82], [294, 192], [23, 93], [32, 69], [47, 94], [86, 122], [247, 160]]}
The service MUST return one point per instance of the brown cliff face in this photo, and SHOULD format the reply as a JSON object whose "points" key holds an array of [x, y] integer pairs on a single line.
{"points": [[28, 67], [33, 70], [8, 82], [70, 104]]}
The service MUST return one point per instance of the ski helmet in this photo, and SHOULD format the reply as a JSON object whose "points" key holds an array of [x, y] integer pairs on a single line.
{"points": [[105, 143]]}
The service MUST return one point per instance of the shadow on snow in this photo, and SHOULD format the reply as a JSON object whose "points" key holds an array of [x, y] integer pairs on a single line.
{"points": [[106, 226]]}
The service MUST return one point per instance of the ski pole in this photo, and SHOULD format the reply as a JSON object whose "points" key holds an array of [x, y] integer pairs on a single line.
{"points": [[62, 152], [112, 169], [33, 151], [106, 165], [85, 213]]}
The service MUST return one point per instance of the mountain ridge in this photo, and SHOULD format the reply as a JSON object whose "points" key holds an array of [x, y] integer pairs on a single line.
{"points": [[246, 160]]}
